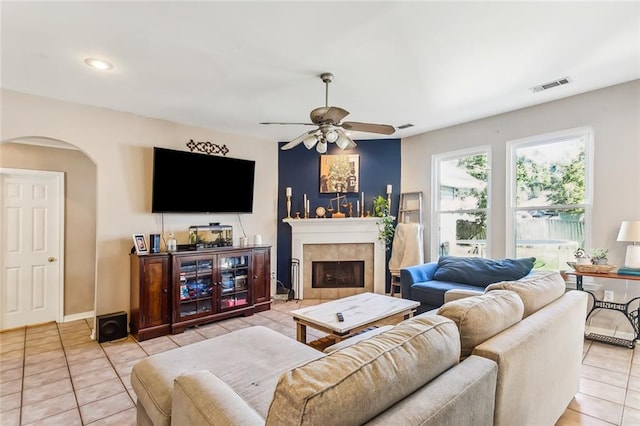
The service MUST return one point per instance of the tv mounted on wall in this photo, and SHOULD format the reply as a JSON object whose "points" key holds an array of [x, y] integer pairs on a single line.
{"points": [[188, 182]]}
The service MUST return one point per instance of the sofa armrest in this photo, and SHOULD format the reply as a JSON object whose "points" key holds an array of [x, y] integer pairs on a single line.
{"points": [[539, 361], [464, 395], [458, 293], [415, 274], [201, 398]]}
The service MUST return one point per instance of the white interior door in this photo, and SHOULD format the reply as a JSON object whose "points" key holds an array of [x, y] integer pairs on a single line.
{"points": [[31, 213]]}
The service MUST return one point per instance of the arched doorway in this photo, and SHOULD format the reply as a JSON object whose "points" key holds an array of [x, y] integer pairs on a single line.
{"points": [[80, 205]]}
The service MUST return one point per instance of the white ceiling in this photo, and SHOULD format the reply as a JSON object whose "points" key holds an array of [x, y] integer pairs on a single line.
{"points": [[231, 65]]}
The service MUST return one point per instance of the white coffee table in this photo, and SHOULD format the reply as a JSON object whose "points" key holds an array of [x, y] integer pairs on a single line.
{"points": [[359, 312]]}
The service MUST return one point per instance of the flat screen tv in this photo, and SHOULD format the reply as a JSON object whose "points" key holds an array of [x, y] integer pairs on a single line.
{"points": [[188, 182]]}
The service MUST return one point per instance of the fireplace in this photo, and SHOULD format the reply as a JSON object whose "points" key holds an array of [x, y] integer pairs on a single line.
{"points": [[337, 274], [337, 240]]}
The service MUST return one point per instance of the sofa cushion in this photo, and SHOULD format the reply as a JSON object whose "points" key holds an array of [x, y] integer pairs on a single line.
{"points": [[535, 291], [364, 379], [480, 317], [231, 357], [481, 272]]}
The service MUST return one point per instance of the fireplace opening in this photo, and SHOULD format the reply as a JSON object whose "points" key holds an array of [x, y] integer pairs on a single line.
{"points": [[337, 274]]}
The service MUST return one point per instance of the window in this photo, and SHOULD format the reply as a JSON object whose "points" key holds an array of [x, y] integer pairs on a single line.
{"points": [[461, 203], [549, 189]]}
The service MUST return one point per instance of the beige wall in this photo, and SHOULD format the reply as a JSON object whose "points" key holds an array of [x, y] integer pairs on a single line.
{"points": [[80, 215], [614, 115], [120, 145]]}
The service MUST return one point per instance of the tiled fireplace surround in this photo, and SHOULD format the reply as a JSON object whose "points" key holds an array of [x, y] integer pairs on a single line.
{"points": [[338, 239]]}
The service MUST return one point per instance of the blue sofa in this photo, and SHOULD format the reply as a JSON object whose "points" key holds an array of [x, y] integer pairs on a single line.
{"points": [[427, 283]]}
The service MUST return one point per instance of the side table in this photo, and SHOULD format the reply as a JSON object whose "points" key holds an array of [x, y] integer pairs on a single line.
{"points": [[631, 316]]}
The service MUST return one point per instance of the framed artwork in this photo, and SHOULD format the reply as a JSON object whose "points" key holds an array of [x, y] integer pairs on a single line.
{"points": [[140, 243], [339, 173]]}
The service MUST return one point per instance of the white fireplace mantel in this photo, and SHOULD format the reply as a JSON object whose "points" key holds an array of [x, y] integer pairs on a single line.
{"points": [[339, 231]]}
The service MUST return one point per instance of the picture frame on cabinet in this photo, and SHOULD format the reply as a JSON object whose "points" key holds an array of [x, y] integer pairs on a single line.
{"points": [[140, 244]]}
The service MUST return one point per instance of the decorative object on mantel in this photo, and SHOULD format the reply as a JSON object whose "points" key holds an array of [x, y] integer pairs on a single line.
{"points": [[389, 189], [630, 231], [288, 195], [320, 212], [305, 206], [599, 256], [337, 214], [385, 223], [207, 147]]}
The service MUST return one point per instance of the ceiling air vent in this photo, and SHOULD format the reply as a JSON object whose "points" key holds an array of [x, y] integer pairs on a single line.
{"points": [[551, 84], [405, 126]]}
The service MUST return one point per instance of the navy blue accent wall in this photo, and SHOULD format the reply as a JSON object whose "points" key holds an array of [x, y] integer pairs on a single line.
{"points": [[299, 168]]}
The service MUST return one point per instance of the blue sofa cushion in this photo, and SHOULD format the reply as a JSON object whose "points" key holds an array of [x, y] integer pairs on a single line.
{"points": [[481, 272]]}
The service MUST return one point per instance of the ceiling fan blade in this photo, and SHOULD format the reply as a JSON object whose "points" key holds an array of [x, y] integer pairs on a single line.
{"points": [[284, 123], [297, 141], [332, 115], [384, 129]]}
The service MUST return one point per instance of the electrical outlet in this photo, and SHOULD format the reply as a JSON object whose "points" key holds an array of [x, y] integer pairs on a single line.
{"points": [[608, 295], [273, 275]]}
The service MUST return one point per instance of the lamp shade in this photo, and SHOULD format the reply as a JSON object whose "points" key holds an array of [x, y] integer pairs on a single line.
{"points": [[310, 141], [331, 136], [321, 147], [629, 231]]}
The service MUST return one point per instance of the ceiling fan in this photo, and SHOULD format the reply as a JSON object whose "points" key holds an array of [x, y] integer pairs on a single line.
{"points": [[330, 128]]}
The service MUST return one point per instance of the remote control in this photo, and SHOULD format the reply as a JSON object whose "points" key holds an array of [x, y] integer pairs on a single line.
{"points": [[340, 317]]}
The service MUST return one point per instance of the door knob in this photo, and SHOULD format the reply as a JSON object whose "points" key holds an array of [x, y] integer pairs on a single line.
{"points": [[52, 259]]}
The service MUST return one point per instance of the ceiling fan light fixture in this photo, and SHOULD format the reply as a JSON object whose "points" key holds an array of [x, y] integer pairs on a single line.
{"points": [[310, 141], [343, 142], [331, 128], [321, 147], [331, 136]]}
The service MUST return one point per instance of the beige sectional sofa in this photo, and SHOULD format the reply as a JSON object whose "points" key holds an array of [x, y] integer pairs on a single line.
{"points": [[474, 362]]}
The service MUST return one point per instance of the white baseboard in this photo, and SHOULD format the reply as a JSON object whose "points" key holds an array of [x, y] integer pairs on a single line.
{"points": [[79, 316]]}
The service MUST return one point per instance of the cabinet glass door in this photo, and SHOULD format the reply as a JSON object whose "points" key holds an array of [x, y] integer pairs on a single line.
{"points": [[196, 287], [234, 281]]}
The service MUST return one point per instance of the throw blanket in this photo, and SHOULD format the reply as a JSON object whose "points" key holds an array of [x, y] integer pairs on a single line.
{"points": [[406, 249]]}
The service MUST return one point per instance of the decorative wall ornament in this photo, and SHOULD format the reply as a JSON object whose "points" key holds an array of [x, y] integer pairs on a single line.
{"points": [[207, 147]]}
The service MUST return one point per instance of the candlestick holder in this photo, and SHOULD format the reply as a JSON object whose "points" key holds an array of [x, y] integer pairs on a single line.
{"points": [[389, 202], [288, 207]]}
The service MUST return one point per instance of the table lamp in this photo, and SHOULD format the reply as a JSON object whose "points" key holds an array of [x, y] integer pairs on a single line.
{"points": [[630, 231]]}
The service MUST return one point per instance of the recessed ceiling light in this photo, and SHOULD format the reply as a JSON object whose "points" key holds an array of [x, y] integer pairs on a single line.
{"points": [[98, 64]]}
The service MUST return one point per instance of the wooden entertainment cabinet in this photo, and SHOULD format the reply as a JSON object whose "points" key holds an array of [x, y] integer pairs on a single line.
{"points": [[173, 291]]}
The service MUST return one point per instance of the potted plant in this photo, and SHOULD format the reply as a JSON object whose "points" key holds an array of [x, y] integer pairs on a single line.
{"points": [[599, 256], [386, 228], [582, 258]]}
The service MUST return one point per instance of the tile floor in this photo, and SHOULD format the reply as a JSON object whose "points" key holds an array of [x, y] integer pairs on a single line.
{"points": [[54, 374]]}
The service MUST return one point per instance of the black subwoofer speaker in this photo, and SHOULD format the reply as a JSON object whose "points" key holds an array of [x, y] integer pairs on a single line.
{"points": [[112, 326]]}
